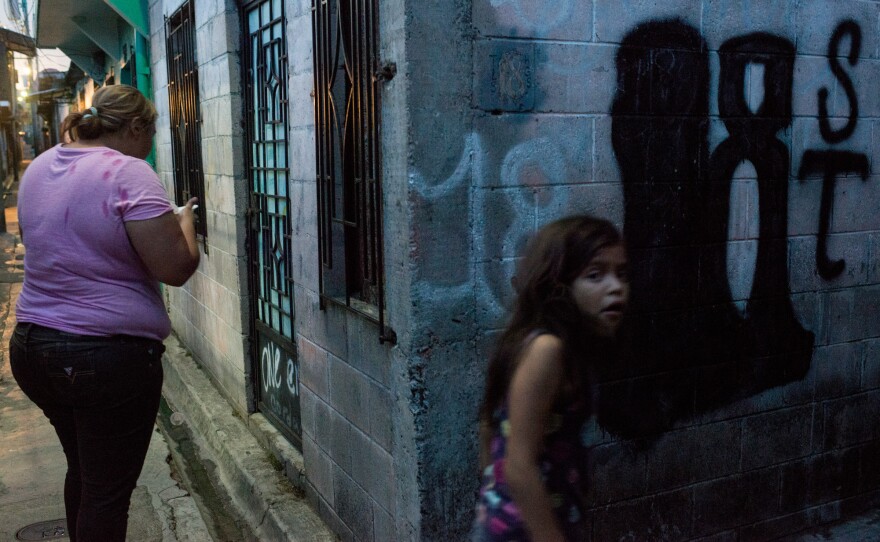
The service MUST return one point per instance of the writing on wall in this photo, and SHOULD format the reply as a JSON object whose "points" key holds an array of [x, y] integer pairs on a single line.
{"points": [[279, 379], [690, 348]]}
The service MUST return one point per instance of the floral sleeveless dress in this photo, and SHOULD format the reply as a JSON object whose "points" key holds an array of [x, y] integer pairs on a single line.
{"points": [[498, 517]]}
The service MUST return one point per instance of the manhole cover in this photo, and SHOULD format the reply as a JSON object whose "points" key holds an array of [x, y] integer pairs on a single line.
{"points": [[44, 530]]}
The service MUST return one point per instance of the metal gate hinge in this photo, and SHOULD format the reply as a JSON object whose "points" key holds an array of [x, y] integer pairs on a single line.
{"points": [[386, 72]]}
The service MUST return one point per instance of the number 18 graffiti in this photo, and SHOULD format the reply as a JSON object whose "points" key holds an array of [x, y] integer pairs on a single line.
{"points": [[693, 349]]}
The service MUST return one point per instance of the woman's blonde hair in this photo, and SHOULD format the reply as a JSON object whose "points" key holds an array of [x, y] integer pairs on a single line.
{"points": [[114, 107]]}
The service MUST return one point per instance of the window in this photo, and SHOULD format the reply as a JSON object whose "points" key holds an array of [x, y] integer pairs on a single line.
{"points": [[183, 101], [348, 156]]}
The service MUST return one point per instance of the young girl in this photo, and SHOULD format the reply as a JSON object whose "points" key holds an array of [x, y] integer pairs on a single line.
{"points": [[572, 290]]}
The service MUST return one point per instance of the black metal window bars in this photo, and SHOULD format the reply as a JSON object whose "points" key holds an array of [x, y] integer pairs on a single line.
{"points": [[186, 121], [349, 167]]}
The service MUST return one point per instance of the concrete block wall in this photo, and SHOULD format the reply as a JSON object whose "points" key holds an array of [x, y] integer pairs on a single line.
{"points": [[761, 349], [345, 373], [209, 313]]}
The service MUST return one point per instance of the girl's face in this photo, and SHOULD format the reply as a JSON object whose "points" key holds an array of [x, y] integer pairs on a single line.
{"points": [[601, 291]]}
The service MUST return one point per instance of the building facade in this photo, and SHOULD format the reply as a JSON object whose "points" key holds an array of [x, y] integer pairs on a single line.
{"points": [[368, 174]]}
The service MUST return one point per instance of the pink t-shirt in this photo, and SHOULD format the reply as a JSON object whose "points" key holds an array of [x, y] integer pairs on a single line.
{"points": [[81, 274]]}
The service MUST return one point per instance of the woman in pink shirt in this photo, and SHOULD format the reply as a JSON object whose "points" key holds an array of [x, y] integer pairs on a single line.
{"points": [[100, 234]]}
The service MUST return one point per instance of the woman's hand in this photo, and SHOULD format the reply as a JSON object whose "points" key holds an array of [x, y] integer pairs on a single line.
{"points": [[167, 244], [533, 389]]}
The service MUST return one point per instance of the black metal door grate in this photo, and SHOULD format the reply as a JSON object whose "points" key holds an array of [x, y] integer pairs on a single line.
{"points": [[183, 102], [264, 63]]}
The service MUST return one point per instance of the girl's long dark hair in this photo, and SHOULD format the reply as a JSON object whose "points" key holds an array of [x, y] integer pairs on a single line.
{"points": [[557, 254]]}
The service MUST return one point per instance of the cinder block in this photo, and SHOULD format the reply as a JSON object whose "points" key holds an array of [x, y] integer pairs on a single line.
{"points": [[323, 424], [658, 517], [845, 421], [734, 501], [725, 19], [366, 353], [804, 201], [319, 469], [372, 468], [352, 503], [327, 328], [604, 200], [305, 260], [776, 437], [853, 314], [804, 273], [328, 515], [783, 525], [802, 391], [304, 211], [864, 76], [616, 472], [874, 155], [818, 480], [299, 45], [157, 22], [541, 19], [534, 150], [340, 440], [307, 407], [214, 37], [852, 210], [817, 20], [301, 105], [694, 454], [221, 116], [302, 162], [314, 367], [614, 20], [838, 369], [383, 525], [606, 168], [349, 393], [874, 267], [206, 10], [381, 406], [871, 365], [504, 75], [574, 78], [811, 74], [219, 157]]}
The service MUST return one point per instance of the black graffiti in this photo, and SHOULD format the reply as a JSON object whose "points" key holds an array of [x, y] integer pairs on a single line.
{"points": [[692, 349], [832, 164], [852, 29]]}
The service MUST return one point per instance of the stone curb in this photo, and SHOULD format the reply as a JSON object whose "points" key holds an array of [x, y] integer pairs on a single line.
{"points": [[249, 469]]}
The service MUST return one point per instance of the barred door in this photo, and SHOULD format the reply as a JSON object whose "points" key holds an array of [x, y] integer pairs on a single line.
{"points": [[264, 66]]}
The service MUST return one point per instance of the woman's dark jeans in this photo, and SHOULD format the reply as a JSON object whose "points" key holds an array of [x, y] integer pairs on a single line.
{"points": [[102, 395]]}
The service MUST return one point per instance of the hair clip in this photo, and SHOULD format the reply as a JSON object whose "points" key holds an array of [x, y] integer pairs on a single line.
{"points": [[93, 113]]}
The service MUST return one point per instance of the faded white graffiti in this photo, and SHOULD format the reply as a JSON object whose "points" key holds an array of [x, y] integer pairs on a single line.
{"points": [[271, 368], [540, 153]]}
